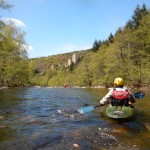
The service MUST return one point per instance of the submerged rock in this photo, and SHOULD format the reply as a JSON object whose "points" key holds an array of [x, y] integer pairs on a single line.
{"points": [[75, 145], [122, 130], [147, 125], [4, 127]]}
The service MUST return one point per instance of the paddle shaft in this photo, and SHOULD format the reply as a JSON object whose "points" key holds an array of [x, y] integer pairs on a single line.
{"points": [[98, 105]]}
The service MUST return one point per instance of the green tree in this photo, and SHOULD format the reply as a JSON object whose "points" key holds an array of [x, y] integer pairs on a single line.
{"points": [[5, 5], [95, 46], [136, 18], [140, 45], [111, 38], [12, 55]]}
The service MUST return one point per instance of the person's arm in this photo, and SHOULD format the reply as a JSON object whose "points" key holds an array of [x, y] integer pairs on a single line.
{"points": [[106, 98], [131, 98]]}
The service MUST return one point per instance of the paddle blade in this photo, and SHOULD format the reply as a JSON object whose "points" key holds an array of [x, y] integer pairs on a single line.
{"points": [[85, 109], [139, 95]]}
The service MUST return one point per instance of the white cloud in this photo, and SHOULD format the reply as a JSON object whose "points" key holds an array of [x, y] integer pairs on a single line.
{"points": [[28, 47], [17, 22]]}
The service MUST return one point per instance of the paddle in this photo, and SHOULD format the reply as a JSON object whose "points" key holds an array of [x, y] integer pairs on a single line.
{"points": [[137, 95]]}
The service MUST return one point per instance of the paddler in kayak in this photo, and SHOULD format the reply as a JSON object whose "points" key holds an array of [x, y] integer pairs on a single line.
{"points": [[119, 95]]}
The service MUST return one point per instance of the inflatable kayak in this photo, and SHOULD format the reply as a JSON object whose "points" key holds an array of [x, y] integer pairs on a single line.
{"points": [[120, 112]]}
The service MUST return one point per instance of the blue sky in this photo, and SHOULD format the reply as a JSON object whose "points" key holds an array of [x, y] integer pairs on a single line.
{"points": [[61, 26]]}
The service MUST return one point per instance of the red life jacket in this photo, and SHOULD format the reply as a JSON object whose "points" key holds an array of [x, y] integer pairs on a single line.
{"points": [[120, 95]]}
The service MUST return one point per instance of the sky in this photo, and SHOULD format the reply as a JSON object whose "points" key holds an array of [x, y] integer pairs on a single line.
{"points": [[60, 26]]}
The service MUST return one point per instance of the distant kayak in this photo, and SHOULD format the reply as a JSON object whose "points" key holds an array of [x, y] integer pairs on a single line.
{"points": [[120, 112]]}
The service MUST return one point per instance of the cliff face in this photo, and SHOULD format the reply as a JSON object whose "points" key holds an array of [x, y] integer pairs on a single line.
{"points": [[73, 60]]}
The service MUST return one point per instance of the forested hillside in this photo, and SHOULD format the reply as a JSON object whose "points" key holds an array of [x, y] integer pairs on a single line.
{"points": [[125, 54]]}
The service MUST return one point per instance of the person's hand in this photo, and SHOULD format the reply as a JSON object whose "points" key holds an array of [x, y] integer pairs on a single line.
{"points": [[101, 104]]}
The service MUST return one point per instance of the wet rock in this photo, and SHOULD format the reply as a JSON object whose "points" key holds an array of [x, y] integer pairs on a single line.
{"points": [[121, 131], [3, 127], [147, 125], [75, 145], [118, 129], [59, 111], [103, 138]]}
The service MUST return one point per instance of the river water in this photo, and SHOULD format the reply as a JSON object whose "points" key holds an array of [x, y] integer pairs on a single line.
{"points": [[47, 119]]}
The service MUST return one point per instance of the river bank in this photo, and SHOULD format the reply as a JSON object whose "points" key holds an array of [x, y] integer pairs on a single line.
{"points": [[3, 87], [144, 89]]}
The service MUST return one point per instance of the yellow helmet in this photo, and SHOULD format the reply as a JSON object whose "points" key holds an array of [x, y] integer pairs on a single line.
{"points": [[118, 81]]}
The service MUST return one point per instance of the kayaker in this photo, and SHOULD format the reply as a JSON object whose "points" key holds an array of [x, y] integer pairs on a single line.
{"points": [[120, 95]]}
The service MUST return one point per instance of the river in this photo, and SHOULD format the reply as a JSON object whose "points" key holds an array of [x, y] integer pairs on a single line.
{"points": [[47, 118]]}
